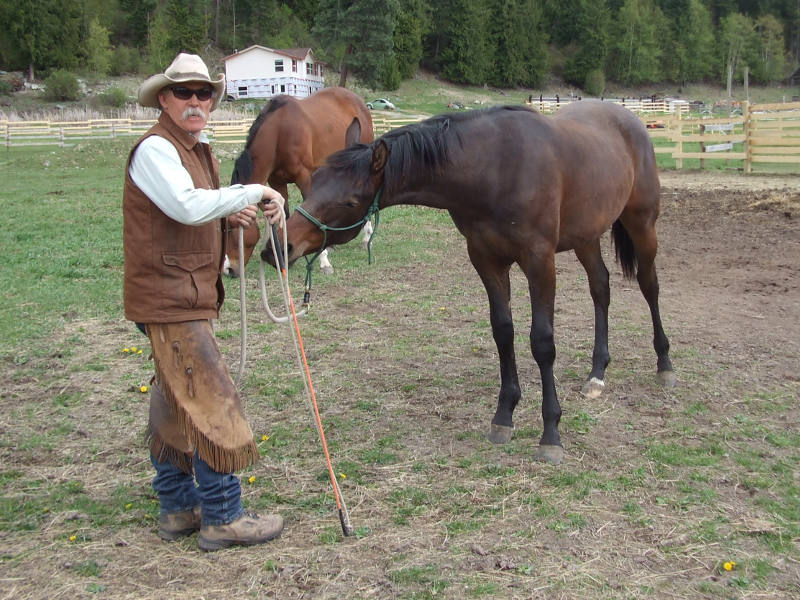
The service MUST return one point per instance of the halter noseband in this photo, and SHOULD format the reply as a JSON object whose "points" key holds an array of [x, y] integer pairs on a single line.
{"points": [[373, 210]]}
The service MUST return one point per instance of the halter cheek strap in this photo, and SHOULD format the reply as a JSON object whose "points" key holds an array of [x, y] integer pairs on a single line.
{"points": [[373, 210]]}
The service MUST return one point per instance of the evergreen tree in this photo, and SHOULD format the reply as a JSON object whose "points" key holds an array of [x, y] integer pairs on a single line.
{"points": [[358, 36], [592, 23], [413, 23], [40, 34], [516, 42], [695, 44], [465, 59]]}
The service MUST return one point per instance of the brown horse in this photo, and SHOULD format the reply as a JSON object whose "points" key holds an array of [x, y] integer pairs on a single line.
{"points": [[520, 187], [289, 140]]}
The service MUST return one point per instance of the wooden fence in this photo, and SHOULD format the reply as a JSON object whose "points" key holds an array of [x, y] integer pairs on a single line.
{"points": [[764, 136]]}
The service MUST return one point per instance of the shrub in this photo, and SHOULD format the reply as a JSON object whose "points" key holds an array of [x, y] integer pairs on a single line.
{"points": [[595, 83], [114, 97], [5, 88], [61, 85]]}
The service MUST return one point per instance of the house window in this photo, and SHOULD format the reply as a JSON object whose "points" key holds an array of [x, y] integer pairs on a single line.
{"points": [[279, 65], [242, 90], [309, 68], [283, 89], [294, 66]]}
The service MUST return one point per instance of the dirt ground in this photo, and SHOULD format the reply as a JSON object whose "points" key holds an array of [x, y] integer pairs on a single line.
{"points": [[729, 269]]}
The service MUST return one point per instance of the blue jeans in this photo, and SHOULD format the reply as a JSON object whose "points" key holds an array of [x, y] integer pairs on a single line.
{"points": [[219, 494]]}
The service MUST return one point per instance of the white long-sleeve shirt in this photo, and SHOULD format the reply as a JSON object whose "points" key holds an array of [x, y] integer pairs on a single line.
{"points": [[156, 169]]}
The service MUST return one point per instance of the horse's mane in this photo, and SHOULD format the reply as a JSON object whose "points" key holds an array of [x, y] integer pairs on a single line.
{"points": [[419, 149], [243, 168]]}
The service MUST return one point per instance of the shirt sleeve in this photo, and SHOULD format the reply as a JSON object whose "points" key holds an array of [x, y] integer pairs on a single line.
{"points": [[156, 169]]}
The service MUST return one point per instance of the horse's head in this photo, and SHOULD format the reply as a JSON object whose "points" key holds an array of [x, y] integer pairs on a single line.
{"points": [[343, 196]]}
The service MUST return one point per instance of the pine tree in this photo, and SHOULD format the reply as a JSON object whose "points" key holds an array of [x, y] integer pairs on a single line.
{"points": [[358, 36]]}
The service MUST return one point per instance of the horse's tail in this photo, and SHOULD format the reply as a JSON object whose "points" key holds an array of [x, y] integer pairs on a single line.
{"points": [[623, 246], [243, 168]]}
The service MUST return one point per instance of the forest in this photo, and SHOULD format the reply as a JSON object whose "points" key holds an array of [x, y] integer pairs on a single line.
{"points": [[502, 43]]}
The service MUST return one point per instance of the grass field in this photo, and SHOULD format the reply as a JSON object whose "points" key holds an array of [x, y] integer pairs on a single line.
{"points": [[688, 494]]}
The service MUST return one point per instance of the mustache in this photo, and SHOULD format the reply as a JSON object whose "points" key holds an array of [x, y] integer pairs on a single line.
{"points": [[193, 111]]}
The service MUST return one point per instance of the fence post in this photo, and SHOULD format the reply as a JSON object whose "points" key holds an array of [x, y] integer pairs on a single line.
{"points": [[679, 160], [748, 166], [702, 146]]}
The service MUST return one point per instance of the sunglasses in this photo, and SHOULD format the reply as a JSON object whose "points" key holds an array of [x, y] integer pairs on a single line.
{"points": [[184, 93]]}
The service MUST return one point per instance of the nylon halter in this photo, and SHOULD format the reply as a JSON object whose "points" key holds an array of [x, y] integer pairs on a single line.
{"points": [[373, 210]]}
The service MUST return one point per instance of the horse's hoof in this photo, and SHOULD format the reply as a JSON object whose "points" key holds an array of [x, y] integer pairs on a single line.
{"points": [[328, 270], [500, 434], [550, 454], [593, 388], [667, 379]]}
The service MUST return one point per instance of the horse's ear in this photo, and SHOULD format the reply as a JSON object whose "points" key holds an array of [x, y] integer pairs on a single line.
{"points": [[379, 156], [353, 134]]}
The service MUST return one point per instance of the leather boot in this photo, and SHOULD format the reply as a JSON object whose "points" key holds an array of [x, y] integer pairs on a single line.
{"points": [[172, 526], [247, 530]]}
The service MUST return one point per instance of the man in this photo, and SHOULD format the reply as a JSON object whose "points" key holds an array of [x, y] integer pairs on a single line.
{"points": [[175, 218]]}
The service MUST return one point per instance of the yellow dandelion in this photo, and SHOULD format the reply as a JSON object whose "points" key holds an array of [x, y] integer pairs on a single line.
{"points": [[128, 506], [133, 349], [143, 389], [139, 352], [729, 565], [252, 479], [443, 308], [126, 349], [342, 476], [264, 438], [72, 538]]}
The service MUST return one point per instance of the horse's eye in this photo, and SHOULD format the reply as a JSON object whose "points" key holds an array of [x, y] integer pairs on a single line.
{"points": [[350, 203]]}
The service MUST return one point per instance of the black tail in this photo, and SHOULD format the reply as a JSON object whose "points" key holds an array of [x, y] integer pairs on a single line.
{"points": [[623, 245], [243, 168]]}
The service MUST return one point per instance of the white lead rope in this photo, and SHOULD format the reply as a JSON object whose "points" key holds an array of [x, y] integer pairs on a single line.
{"points": [[263, 288], [291, 315]]}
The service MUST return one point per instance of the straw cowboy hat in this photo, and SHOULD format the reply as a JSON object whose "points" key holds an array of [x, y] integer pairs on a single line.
{"points": [[185, 68]]}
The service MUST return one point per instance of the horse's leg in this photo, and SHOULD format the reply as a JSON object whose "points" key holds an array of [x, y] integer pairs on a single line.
{"points": [[498, 289], [324, 262], [367, 234], [592, 260], [645, 244], [541, 274]]}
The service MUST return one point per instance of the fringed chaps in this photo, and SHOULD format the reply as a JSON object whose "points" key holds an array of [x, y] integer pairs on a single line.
{"points": [[194, 405]]}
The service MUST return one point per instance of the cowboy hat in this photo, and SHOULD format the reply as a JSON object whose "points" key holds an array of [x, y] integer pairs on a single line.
{"points": [[184, 69]]}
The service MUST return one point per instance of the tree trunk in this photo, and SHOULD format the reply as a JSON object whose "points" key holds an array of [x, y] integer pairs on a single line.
{"points": [[343, 74]]}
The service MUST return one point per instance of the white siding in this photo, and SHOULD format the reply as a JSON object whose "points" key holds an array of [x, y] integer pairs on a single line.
{"points": [[251, 74]]}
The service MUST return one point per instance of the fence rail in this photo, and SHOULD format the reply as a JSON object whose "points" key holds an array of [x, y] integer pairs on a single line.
{"points": [[767, 135]]}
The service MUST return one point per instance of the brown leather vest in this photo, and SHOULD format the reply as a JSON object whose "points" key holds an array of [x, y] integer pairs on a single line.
{"points": [[172, 271]]}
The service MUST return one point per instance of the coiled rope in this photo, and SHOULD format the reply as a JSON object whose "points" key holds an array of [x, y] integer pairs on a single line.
{"points": [[280, 257]]}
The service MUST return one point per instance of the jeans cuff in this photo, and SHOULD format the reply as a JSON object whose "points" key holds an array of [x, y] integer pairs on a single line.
{"points": [[223, 521]]}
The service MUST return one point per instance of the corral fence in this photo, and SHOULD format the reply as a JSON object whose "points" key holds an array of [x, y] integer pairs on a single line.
{"points": [[764, 137]]}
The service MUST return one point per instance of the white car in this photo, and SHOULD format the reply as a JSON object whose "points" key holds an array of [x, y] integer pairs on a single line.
{"points": [[380, 104]]}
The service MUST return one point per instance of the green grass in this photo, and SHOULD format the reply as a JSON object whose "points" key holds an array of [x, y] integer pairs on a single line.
{"points": [[708, 471]]}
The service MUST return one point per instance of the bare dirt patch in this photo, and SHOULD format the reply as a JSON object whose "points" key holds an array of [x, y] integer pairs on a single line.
{"points": [[657, 491]]}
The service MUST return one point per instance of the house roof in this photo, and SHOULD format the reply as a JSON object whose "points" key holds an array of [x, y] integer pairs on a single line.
{"points": [[297, 53]]}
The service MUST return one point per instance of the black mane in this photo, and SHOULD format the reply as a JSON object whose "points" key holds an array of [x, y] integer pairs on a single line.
{"points": [[417, 149]]}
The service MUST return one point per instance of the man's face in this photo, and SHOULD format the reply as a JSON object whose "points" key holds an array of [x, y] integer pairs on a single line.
{"points": [[188, 111]]}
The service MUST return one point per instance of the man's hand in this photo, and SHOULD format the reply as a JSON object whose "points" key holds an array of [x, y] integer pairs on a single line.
{"points": [[271, 204], [244, 218]]}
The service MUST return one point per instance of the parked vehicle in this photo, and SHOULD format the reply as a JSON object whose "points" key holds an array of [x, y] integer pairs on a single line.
{"points": [[380, 104]]}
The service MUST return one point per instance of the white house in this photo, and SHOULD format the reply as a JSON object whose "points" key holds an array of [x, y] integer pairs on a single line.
{"points": [[259, 72]]}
